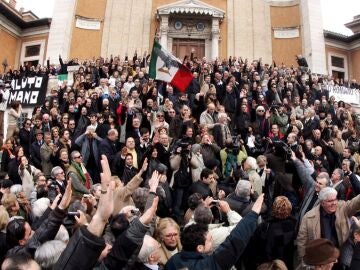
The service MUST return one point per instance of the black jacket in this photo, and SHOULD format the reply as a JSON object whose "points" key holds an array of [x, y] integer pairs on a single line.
{"points": [[224, 256], [108, 148], [47, 231]]}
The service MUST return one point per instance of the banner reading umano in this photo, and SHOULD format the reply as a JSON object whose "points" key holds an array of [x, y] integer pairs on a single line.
{"points": [[30, 91]]}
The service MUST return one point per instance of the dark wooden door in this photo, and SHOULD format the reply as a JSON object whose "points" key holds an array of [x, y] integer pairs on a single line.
{"points": [[182, 47]]}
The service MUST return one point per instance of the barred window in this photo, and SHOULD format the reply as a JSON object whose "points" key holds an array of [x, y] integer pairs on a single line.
{"points": [[33, 50], [337, 61]]}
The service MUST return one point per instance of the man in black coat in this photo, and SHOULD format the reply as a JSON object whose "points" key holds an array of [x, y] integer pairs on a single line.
{"points": [[164, 153], [58, 174], [35, 149], [202, 186], [108, 146]]}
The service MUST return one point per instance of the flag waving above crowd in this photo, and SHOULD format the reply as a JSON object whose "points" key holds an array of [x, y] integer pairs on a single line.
{"points": [[166, 67]]}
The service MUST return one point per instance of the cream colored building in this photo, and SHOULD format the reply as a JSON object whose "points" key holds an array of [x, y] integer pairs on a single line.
{"points": [[23, 36], [273, 30]]}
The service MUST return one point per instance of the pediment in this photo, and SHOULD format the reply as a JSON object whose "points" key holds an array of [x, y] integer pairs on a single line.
{"points": [[190, 7]]}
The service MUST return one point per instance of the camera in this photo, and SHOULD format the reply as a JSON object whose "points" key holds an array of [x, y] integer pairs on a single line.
{"points": [[52, 190], [274, 107], [71, 215], [282, 149]]}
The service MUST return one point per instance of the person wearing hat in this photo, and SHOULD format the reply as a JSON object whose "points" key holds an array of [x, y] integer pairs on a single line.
{"points": [[327, 220], [35, 149], [321, 254], [261, 122]]}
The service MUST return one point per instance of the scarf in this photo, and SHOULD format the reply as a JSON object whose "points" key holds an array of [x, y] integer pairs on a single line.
{"points": [[81, 170]]}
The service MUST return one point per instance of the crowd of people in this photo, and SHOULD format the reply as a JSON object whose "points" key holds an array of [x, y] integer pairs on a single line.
{"points": [[254, 166]]}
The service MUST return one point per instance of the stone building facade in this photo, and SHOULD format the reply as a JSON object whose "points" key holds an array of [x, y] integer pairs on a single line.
{"points": [[273, 30]]}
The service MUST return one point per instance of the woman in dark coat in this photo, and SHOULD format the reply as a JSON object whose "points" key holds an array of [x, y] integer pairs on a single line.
{"points": [[13, 167], [274, 238]]}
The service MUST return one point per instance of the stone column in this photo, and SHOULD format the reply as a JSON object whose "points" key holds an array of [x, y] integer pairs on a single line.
{"points": [[164, 29], [215, 34]]}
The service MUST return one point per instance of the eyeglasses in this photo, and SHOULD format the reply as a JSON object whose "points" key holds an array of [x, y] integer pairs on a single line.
{"points": [[171, 235], [78, 157], [160, 115], [62, 172]]}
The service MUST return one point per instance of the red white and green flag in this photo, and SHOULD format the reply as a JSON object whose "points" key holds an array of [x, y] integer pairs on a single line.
{"points": [[166, 67]]}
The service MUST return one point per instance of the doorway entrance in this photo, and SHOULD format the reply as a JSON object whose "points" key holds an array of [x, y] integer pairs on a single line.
{"points": [[182, 47]]}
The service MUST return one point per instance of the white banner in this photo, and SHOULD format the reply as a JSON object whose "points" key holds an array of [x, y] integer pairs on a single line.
{"points": [[286, 33], [87, 24], [343, 93]]}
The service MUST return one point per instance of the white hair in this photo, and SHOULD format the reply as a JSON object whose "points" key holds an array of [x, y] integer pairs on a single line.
{"points": [[62, 234], [40, 206], [15, 189], [55, 171], [243, 188], [252, 163], [326, 192], [149, 246], [48, 253]]}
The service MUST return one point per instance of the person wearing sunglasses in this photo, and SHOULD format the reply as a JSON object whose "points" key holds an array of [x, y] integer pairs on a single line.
{"points": [[80, 178]]}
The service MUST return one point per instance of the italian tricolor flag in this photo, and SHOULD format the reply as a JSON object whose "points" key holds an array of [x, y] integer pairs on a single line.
{"points": [[166, 67]]}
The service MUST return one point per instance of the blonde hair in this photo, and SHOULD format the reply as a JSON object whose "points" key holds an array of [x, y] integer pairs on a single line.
{"points": [[162, 224], [4, 217], [8, 201], [274, 265]]}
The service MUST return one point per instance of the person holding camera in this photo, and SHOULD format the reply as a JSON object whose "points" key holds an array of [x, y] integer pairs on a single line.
{"points": [[89, 144], [181, 177], [279, 117]]}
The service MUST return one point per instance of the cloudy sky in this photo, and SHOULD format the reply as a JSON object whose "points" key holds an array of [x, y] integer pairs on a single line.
{"points": [[335, 12]]}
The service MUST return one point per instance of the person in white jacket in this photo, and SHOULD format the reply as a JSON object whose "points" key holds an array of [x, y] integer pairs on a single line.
{"points": [[4, 93], [27, 173], [218, 231]]}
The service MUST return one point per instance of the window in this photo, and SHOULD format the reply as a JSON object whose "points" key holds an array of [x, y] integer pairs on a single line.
{"points": [[33, 50], [337, 61]]}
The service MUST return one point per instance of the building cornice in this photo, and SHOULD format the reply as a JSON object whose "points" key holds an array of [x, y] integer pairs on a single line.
{"points": [[15, 17], [190, 7]]}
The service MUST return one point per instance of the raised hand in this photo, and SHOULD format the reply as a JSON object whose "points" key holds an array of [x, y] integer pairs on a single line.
{"points": [[106, 174], [258, 203], [66, 198], [154, 181], [144, 166], [147, 217]]}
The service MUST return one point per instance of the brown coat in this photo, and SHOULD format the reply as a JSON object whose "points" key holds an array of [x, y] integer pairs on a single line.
{"points": [[310, 228], [122, 195]]}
